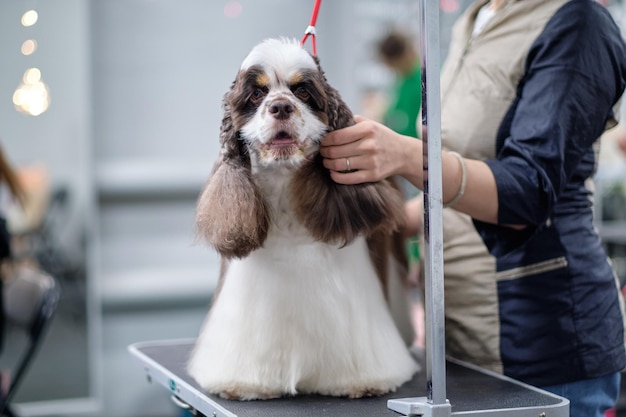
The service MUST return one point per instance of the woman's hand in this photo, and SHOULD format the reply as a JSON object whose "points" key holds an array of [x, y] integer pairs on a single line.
{"points": [[369, 151]]}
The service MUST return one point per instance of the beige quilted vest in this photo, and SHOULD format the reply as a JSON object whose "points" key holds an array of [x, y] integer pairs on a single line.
{"points": [[478, 83]]}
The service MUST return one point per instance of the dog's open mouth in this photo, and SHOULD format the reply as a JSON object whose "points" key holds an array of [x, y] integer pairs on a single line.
{"points": [[286, 146], [282, 139]]}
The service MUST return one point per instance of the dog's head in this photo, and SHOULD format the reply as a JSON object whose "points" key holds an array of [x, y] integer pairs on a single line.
{"points": [[281, 104], [275, 114]]}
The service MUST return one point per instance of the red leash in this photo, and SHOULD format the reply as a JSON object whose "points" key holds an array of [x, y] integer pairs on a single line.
{"points": [[311, 29]]}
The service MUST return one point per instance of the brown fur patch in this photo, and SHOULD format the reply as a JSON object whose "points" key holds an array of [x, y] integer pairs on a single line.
{"points": [[231, 214], [337, 213], [263, 79], [296, 78]]}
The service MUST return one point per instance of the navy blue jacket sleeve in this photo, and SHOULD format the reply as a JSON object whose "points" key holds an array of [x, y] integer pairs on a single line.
{"points": [[575, 73]]}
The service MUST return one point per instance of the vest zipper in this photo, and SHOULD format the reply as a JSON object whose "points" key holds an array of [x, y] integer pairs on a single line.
{"points": [[532, 269]]}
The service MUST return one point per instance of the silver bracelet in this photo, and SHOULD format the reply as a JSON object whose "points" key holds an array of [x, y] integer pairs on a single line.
{"points": [[461, 191]]}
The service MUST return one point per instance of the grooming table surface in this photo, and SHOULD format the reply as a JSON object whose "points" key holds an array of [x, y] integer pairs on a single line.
{"points": [[470, 390]]}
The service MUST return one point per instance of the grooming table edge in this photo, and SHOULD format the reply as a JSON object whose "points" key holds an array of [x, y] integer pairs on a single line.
{"points": [[472, 391]]}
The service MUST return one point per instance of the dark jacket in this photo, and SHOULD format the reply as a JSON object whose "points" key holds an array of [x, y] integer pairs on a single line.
{"points": [[559, 303]]}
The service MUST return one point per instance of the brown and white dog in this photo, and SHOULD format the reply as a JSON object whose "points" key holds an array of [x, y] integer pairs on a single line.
{"points": [[310, 298]]}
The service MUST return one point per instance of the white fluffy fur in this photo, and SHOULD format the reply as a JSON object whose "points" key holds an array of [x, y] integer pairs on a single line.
{"points": [[284, 55], [297, 315]]}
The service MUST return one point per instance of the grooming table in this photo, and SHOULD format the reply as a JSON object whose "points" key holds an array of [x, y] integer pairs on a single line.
{"points": [[471, 391]]}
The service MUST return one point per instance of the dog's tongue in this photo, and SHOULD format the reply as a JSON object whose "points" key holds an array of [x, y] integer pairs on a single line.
{"points": [[282, 139]]}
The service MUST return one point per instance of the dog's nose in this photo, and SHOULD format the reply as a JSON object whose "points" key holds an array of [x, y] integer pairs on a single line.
{"points": [[281, 109]]}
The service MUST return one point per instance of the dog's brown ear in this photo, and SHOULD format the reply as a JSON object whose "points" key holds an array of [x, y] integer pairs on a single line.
{"points": [[339, 114], [336, 212], [231, 214], [339, 213]]}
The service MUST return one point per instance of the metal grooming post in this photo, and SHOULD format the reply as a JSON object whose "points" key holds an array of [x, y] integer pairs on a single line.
{"points": [[436, 403]]}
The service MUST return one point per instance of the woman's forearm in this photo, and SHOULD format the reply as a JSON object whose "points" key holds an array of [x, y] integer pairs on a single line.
{"points": [[480, 195]]}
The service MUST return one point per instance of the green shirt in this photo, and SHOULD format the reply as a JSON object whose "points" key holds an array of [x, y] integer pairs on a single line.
{"points": [[405, 105]]}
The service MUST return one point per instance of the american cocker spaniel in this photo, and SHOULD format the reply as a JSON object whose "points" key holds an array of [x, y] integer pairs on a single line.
{"points": [[310, 298]]}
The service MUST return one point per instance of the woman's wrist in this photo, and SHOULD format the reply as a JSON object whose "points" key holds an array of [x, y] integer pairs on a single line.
{"points": [[412, 162], [414, 213], [461, 189]]}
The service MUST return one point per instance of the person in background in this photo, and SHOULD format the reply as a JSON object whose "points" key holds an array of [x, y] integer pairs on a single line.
{"points": [[398, 52], [527, 89], [10, 192], [622, 144]]}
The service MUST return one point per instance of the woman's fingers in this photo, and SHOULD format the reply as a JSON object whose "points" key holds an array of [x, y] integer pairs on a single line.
{"points": [[362, 129], [352, 169], [350, 178], [358, 153], [341, 136], [343, 164]]}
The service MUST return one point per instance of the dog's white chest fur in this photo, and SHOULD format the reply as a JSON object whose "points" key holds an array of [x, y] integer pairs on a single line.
{"points": [[300, 316]]}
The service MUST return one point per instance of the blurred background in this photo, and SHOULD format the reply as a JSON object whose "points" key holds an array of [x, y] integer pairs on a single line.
{"points": [[110, 110]]}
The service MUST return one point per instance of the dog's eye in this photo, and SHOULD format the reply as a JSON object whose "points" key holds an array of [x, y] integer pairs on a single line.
{"points": [[302, 93], [257, 95]]}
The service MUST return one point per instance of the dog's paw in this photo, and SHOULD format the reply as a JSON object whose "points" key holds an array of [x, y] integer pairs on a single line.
{"points": [[248, 393], [369, 392], [354, 390]]}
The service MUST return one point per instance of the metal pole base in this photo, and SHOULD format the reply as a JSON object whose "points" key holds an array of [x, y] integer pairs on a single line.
{"points": [[419, 406]]}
